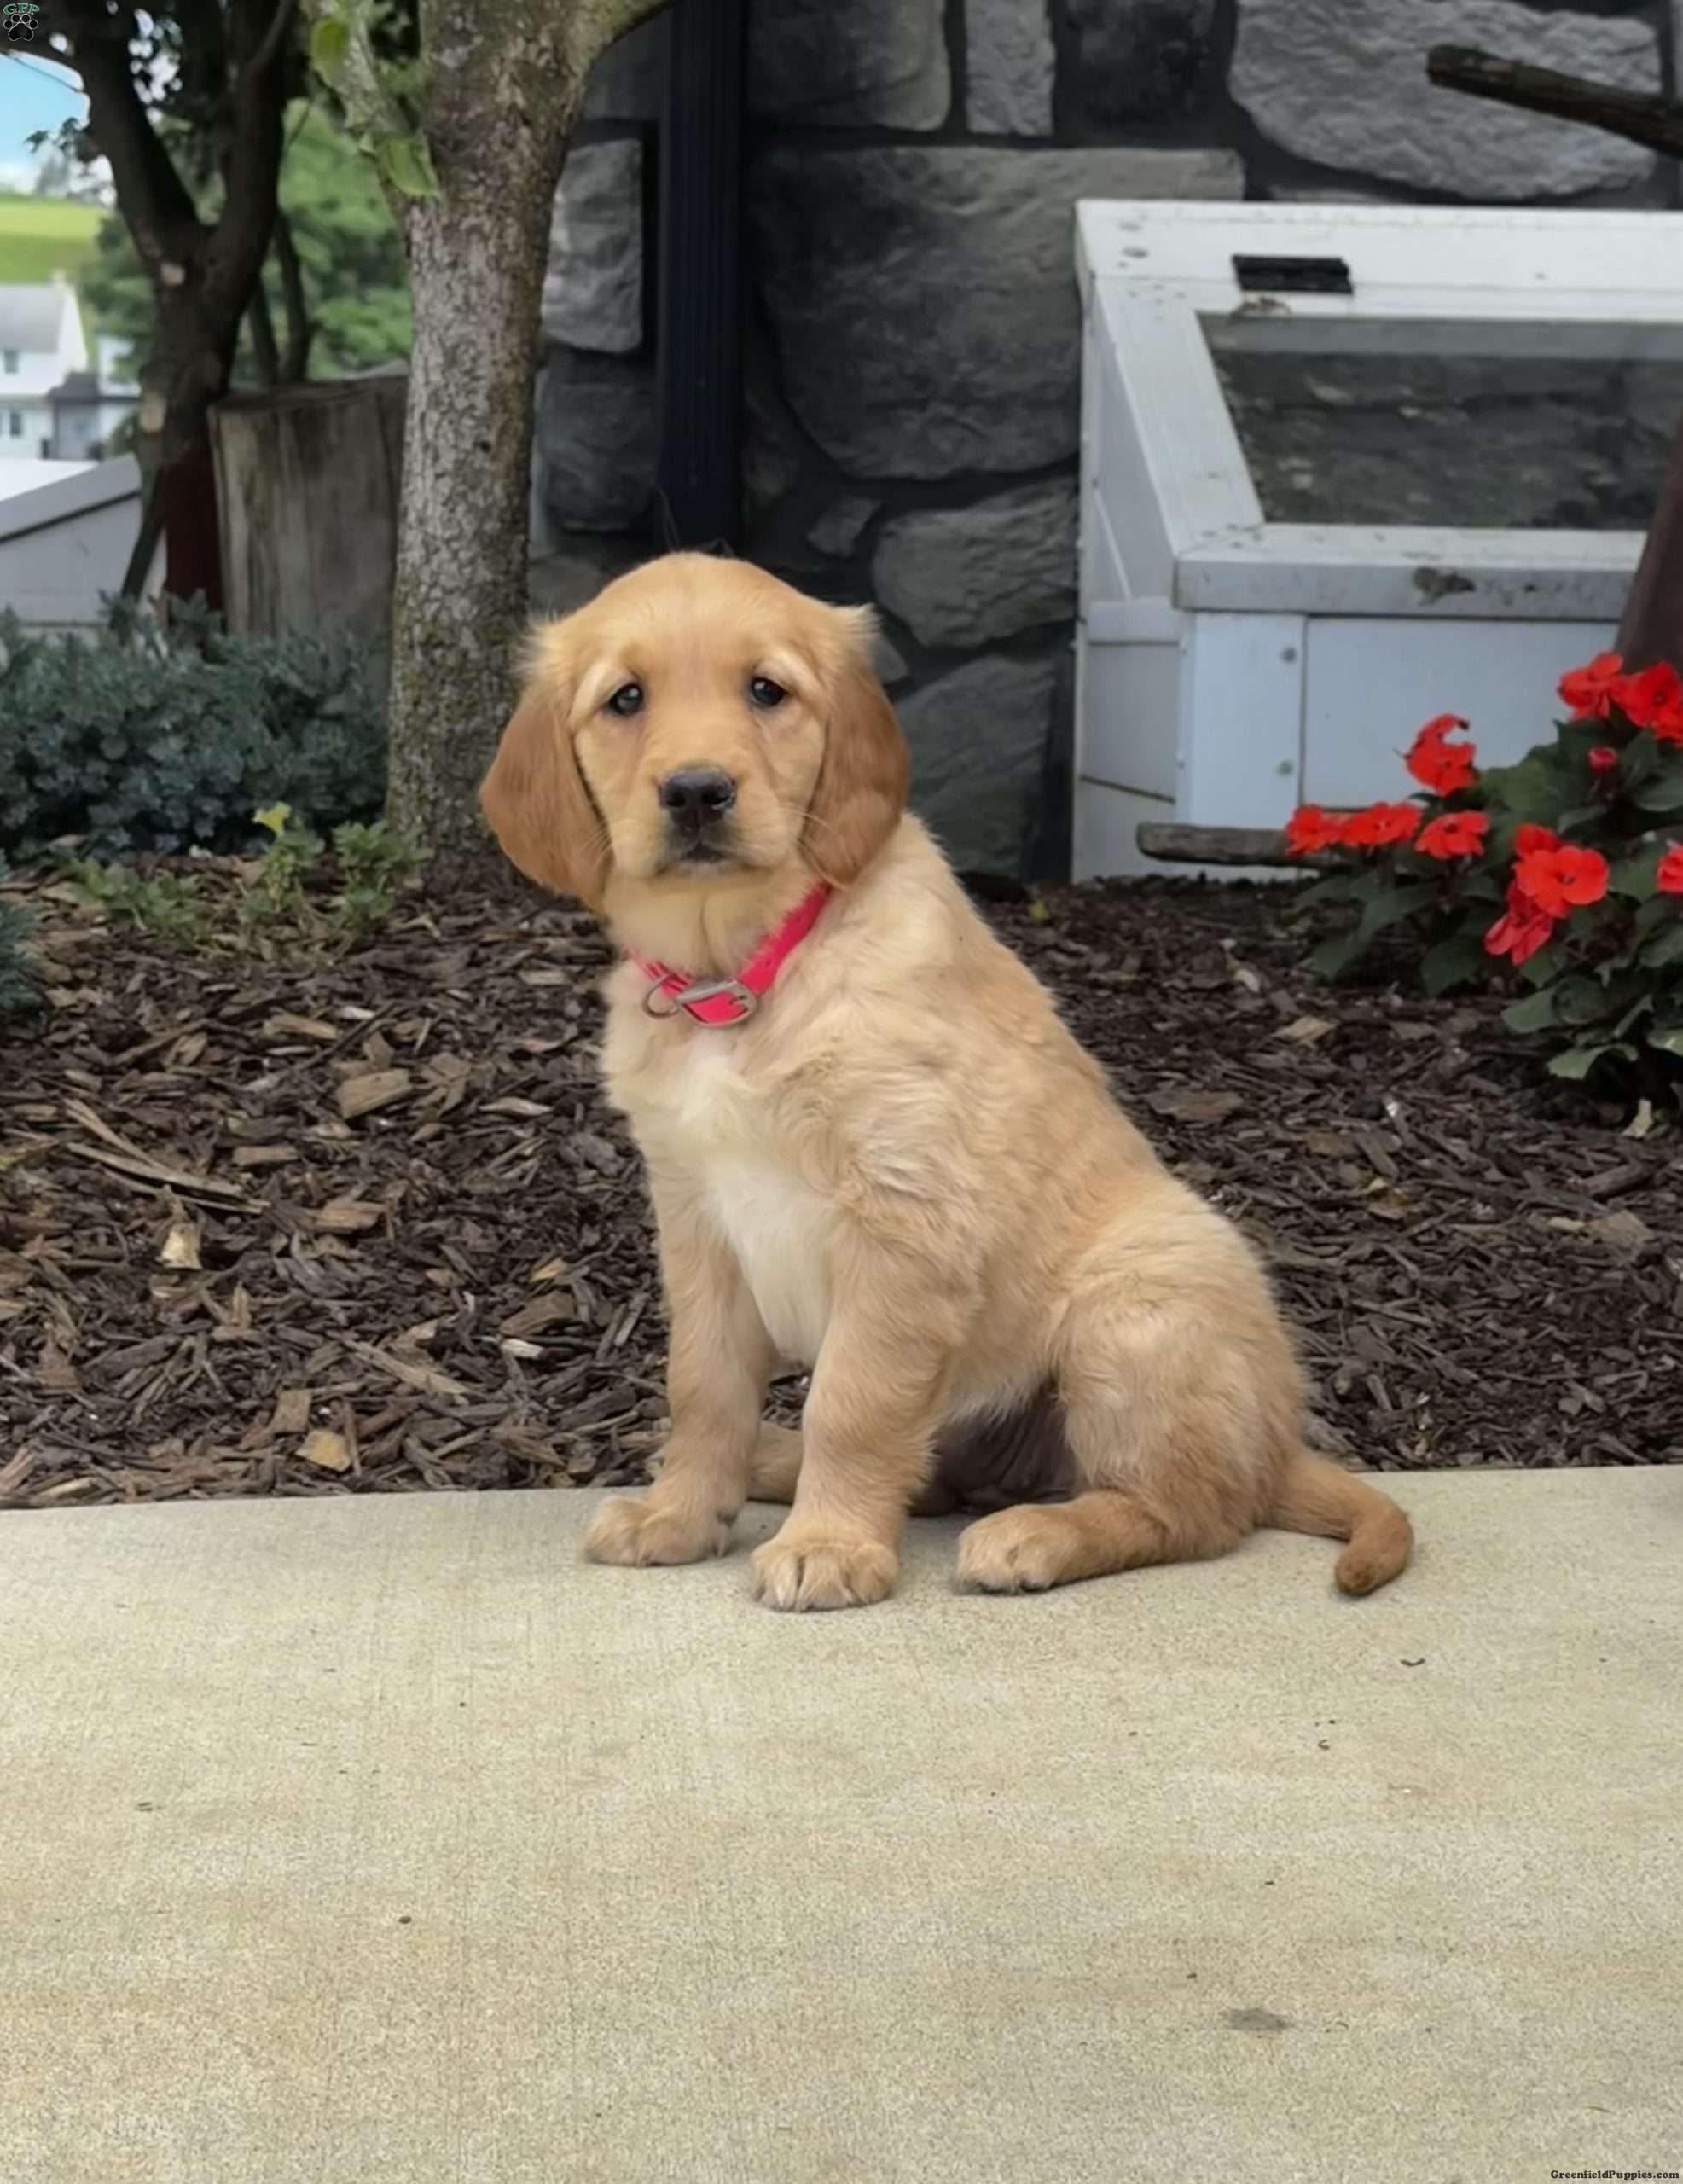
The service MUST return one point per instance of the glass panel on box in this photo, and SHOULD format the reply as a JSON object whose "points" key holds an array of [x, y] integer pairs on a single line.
{"points": [[1383, 432]]}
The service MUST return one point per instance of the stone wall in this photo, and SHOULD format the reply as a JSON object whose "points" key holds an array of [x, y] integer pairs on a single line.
{"points": [[911, 391]]}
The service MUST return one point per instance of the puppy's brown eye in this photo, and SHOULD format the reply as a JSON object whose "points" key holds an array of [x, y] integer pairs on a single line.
{"points": [[765, 693], [627, 699]]}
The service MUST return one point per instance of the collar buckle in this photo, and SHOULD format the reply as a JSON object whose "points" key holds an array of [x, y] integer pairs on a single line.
{"points": [[663, 1001]]}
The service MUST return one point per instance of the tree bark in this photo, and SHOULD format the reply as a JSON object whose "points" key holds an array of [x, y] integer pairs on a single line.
{"points": [[1645, 116], [505, 78], [202, 277], [1652, 626]]}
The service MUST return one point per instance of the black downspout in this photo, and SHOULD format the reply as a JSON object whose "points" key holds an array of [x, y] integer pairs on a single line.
{"points": [[698, 326]]}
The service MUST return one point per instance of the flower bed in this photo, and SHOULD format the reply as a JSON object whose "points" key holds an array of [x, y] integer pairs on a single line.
{"points": [[1565, 868]]}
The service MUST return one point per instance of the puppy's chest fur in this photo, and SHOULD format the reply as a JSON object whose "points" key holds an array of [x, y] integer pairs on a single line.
{"points": [[699, 1113]]}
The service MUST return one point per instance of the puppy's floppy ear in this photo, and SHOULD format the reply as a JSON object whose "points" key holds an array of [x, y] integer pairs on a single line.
{"points": [[862, 782], [534, 797]]}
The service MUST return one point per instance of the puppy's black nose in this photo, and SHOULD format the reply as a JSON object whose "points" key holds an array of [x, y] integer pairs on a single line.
{"points": [[697, 795]]}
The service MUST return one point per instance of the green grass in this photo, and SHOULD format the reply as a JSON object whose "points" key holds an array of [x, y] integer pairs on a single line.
{"points": [[40, 236]]}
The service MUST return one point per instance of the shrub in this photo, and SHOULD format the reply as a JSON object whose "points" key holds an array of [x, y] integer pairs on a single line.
{"points": [[149, 738], [17, 975], [1564, 871]]}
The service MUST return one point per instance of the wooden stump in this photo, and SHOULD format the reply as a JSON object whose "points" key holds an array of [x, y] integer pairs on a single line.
{"points": [[307, 491]]}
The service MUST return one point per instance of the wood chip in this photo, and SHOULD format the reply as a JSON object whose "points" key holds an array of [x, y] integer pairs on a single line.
{"points": [[376, 1089], [291, 1414], [543, 1312], [348, 1217], [326, 1450], [413, 1371], [1189, 1104], [286, 1026], [180, 1247], [264, 1156]]}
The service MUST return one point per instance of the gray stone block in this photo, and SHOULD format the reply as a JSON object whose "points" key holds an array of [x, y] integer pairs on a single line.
{"points": [[1140, 60], [965, 576], [924, 297], [575, 569], [595, 440], [1344, 82], [593, 286], [978, 743], [628, 82], [837, 531], [881, 63], [1009, 66]]}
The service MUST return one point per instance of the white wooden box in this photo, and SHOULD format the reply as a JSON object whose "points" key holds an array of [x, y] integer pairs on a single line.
{"points": [[1230, 666]]}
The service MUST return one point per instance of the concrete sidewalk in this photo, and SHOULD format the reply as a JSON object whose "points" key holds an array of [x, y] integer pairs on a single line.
{"points": [[383, 1840]]}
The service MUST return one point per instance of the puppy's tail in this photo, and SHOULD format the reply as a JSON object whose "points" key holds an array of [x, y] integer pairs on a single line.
{"points": [[1318, 1497]]}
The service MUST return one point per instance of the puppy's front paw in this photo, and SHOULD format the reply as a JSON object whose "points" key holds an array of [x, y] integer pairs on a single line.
{"points": [[813, 1569], [1022, 1550], [638, 1533]]}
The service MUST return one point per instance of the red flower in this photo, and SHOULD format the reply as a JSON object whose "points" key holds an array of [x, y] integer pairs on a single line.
{"points": [[1555, 879], [1521, 930], [1669, 879], [1440, 765], [1528, 840], [1639, 697], [1310, 829], [1587, 690], [1456, 833], [1604, 760], [1665, 722], [1381, 824]]}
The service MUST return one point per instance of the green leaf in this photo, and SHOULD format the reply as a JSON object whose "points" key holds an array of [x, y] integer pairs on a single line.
{"points": [[329, 43], [1536, 1013], [1450, 963], [1639, 761], [1669, 1038], [1336, 887], [1634, 876], [1388, 905], [1539, 969], [1578, 815], [1579, 1000], [1533, 790], [1666, 947], [1576, 1062], [1663, 791], [1334, 957], [407, 165]]}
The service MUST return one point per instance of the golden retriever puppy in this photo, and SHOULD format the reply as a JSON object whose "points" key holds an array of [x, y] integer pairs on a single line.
{"points": [[872, 1145]]}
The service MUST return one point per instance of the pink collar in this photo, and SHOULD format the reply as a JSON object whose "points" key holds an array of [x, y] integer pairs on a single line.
{"points": [[732, 1001]]}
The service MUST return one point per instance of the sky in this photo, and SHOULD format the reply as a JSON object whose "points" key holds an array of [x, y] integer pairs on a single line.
{"points": [[34, 94]]}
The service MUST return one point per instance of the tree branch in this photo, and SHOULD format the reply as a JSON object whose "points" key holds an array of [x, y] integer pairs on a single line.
{"points": [[240, 240], [261, 328], [300, 330], [1645, 116], [152, 197]]}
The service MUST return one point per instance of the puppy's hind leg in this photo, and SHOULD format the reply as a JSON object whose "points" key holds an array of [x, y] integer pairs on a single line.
{"points": [[1165, 1448], [776, 1465]]}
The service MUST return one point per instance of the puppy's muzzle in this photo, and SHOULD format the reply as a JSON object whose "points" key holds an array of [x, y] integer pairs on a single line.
{"points": [[698, 801]]}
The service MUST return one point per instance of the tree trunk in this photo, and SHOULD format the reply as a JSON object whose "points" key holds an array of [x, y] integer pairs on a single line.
{"points": [[476, 253], [1651, 627]]}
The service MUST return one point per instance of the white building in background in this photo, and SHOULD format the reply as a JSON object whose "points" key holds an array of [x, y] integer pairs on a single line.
{"points": [[56, 403]]}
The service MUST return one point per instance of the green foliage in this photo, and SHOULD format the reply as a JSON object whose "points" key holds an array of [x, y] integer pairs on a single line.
{"points": [[160, 903], [153, 739], [356, 284], [375, 862], [1563, 873], [18, 989], [365, 52]]}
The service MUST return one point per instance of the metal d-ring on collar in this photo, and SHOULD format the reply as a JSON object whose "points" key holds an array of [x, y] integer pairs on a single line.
{"points": [[705, 990]]}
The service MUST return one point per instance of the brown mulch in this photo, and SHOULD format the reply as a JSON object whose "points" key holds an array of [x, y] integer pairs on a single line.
{"points": [[315, 1220]]}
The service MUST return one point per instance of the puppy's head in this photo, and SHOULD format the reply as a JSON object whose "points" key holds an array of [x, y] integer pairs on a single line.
{"points": [[699, 721]]}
